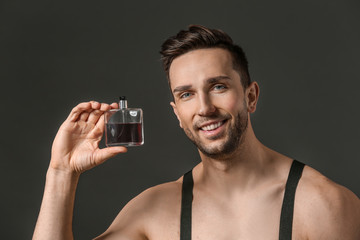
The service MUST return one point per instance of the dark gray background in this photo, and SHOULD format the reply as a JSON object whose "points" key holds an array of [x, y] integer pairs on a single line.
{"points": [[305, 56]]}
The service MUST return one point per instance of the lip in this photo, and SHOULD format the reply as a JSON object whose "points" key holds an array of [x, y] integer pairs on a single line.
{"points": [[214, 132], [210, 123]]}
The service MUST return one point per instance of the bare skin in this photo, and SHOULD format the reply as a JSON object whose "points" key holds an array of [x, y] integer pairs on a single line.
{"points": [[75, 150], [236, 196]]}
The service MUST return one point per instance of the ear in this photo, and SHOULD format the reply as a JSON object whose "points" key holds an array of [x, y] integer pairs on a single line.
{"points": [[176, 112], [252, 95]]}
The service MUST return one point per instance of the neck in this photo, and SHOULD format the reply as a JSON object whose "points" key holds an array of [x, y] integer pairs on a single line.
{"points": [[247, 166]]}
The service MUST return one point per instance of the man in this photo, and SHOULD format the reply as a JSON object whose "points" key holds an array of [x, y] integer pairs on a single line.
{"points": [[240, 190]]}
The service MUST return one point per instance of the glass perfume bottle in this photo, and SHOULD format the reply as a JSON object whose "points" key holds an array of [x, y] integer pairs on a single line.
{"points": [[124, 126]]}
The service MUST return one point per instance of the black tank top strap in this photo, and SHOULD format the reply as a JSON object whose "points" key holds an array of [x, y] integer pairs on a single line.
{"points": [[287, 210], [186, 204]]}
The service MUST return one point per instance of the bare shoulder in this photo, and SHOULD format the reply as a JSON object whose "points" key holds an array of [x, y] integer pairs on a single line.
{"points": [[325, 209], [143, 215]]}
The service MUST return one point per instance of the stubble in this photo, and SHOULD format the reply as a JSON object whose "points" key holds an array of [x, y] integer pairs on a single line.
{"points": [[234, 138]]}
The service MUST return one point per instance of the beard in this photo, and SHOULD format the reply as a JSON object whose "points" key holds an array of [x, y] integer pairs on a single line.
{"points": [[234, 137]]}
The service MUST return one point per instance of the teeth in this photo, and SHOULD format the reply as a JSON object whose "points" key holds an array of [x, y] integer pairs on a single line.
{"points": [[211, 126]]}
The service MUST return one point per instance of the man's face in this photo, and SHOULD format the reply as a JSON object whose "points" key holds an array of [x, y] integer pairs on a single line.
{"points": [[209, 100]]}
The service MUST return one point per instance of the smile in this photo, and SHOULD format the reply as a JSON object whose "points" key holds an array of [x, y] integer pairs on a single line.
{"points": [[212, 126]]}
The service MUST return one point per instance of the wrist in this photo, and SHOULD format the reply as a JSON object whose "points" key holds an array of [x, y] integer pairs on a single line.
{"points": [[61, 172], [61, 181]]}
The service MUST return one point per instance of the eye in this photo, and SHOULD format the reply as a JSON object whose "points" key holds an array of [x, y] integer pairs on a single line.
{"points": [[219, 87], [185, 95]]}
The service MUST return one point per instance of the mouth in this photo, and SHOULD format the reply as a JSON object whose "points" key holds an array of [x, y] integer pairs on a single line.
{"points": [[212, 126]]}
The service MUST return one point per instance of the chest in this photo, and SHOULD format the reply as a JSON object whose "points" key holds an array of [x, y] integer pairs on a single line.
{"points": [[254, 217], [253, 214]]}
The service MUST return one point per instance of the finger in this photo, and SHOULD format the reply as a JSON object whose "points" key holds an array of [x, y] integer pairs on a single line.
{"points": [[104, 154], [81, 111], [114, 105], [100, 122], [96, 114], [95, 105], [78, 110], [84, 116], [105, 107]]}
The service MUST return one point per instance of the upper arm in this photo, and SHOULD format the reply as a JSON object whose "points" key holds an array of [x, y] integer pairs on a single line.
{"points": [[145, 215], [330, 211], [129, 223], [338, 215]]}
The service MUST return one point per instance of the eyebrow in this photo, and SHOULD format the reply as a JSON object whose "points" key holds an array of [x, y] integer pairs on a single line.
{"points": [[217, 79], [208, 81], [182, 88]]}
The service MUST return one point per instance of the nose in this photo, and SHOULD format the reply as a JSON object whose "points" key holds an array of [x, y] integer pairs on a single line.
{"points": [[206, 106]]}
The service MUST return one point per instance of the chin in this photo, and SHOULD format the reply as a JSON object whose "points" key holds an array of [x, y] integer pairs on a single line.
{"points": [[220, 150]]}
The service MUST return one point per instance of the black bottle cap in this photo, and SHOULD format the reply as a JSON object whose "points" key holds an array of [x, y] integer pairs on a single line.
{"points": [[122, 98]]}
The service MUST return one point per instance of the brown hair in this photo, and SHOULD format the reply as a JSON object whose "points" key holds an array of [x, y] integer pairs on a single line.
{"points": [[200, 37]]}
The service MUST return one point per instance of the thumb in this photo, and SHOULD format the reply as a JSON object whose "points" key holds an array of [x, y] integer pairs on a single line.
{"points": [[104, 154]]}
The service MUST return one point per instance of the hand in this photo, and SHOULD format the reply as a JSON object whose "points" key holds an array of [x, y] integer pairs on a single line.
{"points": [[76, 145]]}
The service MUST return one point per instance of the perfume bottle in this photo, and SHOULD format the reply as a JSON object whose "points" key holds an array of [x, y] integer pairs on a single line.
{"points": [[124, 126]]}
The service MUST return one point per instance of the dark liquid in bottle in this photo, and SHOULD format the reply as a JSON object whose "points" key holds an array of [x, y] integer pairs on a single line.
{"points": [[123, 134]]}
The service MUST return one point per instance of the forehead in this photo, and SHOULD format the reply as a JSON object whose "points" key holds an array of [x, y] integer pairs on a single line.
{"points": [[200, 64]]}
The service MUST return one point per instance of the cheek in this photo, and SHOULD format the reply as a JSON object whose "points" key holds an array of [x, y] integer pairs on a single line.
{"points": [[232, 103], [185, 114]]}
